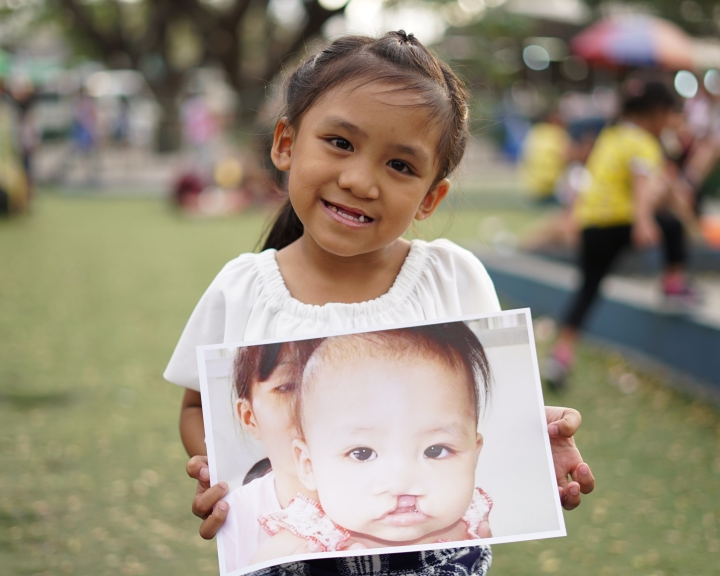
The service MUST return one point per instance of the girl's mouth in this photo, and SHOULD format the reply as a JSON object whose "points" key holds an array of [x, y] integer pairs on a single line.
{"points": [[349, 214]]}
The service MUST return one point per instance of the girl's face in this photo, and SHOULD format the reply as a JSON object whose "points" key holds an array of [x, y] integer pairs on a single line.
{"points": [[267, 416], [390, 446], [362, 165]]}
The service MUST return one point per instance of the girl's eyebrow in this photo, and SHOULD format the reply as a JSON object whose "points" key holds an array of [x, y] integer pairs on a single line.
{"points": [[338, 122], [416, 153]]}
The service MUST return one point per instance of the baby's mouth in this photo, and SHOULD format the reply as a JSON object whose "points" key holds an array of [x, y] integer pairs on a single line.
{"points": [[406, 512], [347, 213]]}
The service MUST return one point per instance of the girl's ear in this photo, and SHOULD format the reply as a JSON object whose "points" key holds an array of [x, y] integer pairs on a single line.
{"points": [[283, 139], [247, 418], [432, 199], [303, 464]]}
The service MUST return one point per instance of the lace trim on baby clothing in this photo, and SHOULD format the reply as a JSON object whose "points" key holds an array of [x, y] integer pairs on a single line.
{"points": [[305, 518], [477, 512]]}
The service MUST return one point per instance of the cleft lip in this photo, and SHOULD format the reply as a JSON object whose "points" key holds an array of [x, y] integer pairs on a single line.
{"points": [[355, 212]]}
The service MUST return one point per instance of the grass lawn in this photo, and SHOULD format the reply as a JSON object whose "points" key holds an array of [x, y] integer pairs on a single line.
{"points": [[93, 296]]}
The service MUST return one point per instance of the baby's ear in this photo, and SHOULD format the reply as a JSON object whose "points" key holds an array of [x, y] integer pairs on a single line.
{"points": [[303, 464], [479, 442]]}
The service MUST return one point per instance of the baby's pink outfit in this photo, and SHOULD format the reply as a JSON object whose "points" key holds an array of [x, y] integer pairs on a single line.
{"points": [[305, 518]]}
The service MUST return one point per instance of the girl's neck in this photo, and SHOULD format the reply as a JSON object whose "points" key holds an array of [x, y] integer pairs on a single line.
{"points": [[287, 486], [315, 276]]}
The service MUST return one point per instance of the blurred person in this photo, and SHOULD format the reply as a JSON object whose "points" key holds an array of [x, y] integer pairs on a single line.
{"points": [[544, 156], [84, 139], [619, 209], [201, 130], [14, 189], [23, 92]]}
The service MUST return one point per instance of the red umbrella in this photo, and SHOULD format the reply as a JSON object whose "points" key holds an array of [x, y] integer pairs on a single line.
{"points": [[635, 40]]}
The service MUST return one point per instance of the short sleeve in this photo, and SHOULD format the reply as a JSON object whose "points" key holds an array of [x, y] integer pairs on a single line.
{"points": [[646, 157], [465, 283], [226, 298]]}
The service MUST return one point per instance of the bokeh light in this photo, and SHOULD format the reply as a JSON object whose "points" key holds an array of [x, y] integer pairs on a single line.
{"points": [[686, 84], [536, 57], [712, 82]]}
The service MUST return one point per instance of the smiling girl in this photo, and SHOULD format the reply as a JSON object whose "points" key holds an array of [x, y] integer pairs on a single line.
{"points": [[371, 131]]}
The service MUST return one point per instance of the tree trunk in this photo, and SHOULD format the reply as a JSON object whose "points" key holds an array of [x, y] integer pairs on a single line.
{"points": [[169, 132]]}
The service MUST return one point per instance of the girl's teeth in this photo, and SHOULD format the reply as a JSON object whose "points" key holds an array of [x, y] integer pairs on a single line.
{"points": [[360, 218]]}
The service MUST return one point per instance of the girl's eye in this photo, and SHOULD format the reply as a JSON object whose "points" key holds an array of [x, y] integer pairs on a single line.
{"points": [[437, 452], [399, 165], [341, 143], [285, 388], [363, 454]]}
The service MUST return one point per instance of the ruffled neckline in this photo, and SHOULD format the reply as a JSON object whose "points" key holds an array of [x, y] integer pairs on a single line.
{"points": [[279, 297]]}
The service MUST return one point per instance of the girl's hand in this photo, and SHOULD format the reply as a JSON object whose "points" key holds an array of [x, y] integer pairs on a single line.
{"points": [[207, 503], [562, 425]]}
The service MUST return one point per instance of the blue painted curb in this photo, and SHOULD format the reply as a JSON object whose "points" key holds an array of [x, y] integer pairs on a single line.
{"points": [[677, 341]]}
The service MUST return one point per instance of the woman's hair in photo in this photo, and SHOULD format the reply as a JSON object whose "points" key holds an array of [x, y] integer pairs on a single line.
{"points": [[454, 343], [646, 97], [255, 364], [396, 59]]}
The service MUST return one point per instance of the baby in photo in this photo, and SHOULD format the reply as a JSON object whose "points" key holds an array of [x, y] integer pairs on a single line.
{"points": [[387, 443]]}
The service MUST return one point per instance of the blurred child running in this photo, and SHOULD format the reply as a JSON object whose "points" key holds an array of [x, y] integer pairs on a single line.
{"points": [[371, 131], [619, 209]]}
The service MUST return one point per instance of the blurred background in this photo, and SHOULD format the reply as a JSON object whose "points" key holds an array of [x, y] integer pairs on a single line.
{"points": [[134, 164]]}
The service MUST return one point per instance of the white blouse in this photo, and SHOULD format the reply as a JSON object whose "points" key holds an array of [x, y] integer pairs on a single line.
{"points": [[248, 300]]}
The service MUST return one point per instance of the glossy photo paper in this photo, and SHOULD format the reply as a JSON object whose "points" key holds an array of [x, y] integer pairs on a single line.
{"points": [[415, 437]]}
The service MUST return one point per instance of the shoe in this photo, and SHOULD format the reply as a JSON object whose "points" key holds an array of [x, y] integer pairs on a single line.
{"points": [[680, 299], [555, 374]]}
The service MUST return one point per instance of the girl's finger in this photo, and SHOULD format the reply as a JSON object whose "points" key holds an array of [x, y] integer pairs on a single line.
{"points": [[572, 496], [195, 466], [567, 426], [584, 477], [204, 501], [212, 523]]}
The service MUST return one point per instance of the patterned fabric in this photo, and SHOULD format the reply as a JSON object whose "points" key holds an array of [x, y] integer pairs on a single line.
{"points": [[473, 561], [305, 518], [477, 512]]}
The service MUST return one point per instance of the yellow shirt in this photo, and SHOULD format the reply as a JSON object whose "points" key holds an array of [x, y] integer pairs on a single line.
{"points": [[543, 158], [620, 153]]}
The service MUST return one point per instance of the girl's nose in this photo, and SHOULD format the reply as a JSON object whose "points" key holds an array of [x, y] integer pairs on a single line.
{"points": [[358, 179]]}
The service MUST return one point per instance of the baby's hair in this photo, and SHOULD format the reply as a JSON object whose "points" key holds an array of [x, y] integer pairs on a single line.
{"points": [[451, 342], [257, 363], [398, 59]]}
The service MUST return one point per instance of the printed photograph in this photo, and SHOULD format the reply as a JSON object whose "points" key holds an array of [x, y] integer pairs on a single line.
{"points": [[409, 438]]}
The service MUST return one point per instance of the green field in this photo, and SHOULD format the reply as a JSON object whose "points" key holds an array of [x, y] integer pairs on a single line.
{"points": [[93, 296]]}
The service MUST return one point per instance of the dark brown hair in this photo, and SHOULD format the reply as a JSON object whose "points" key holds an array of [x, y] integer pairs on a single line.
{"points": [[397, 59], [255, 364], [454, 343]]}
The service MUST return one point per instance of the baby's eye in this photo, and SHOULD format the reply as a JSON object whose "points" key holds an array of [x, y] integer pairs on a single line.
{"points": [[363, 454], [341, 143], [400, 166], [437, 452]]}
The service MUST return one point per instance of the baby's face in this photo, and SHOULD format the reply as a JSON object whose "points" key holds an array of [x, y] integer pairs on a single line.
{"points": [[390, 445]]}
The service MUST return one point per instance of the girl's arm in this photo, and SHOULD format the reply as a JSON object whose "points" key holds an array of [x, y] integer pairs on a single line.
{"points": [[207, 503], [192, 430]]}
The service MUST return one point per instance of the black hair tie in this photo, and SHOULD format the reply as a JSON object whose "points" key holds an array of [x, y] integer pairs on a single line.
{"points": [[406, 38]]}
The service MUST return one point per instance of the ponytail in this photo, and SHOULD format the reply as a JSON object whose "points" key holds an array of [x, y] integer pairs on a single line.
{"points": [[285, 229]]}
